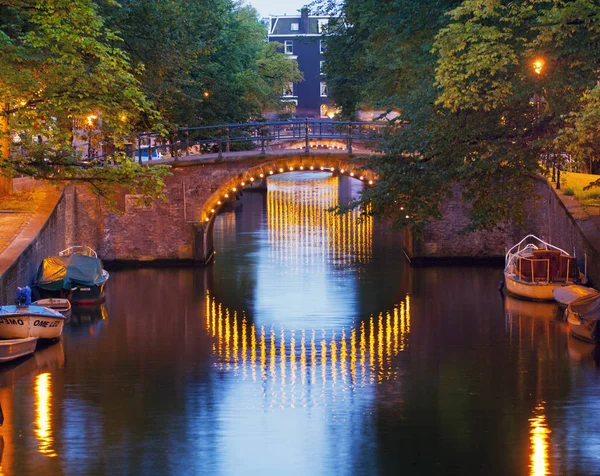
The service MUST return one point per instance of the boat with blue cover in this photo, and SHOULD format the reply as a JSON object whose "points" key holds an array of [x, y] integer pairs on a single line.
{"points": [[23, 319], [76, 274]]}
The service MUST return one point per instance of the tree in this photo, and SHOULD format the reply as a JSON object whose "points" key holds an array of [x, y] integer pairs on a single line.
{"points": [[479, 115], [204, 61], [59, 66]]}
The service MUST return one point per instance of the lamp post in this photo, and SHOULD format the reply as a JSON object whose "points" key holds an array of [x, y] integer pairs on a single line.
{"points": [[90, 122]]}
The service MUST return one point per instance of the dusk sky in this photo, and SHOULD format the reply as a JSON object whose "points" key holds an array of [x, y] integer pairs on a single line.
{"points": [[277, 7]]}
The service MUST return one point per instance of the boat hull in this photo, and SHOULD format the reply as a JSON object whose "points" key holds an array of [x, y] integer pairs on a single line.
{"points": [[21, 324], [11, 349], [535, 291], [81, 295], [57, 304]]}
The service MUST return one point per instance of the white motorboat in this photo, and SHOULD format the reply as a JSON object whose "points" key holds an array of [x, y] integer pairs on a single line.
{"points": [[534, 268], [583, 316], [11, 349], [57, 304], [565, 295], [26, 320]]}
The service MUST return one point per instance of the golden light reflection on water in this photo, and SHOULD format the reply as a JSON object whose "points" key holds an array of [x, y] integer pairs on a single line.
{"points": [[298, 221], [43, 413], [539, 440], [327, 359]]}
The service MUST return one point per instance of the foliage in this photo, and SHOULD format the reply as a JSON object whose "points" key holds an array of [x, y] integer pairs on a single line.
{"points": [[479, 115], [59, 66], [204, 61]]}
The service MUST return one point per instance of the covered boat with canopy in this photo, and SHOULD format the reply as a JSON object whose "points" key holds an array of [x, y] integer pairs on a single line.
{"points": [[76, 274]]}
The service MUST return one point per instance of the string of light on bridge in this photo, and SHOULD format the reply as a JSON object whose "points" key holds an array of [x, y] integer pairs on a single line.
{"points": [[274, 171]]}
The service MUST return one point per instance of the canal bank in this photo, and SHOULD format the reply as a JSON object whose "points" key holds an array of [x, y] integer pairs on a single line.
{"points": [[76, 216], [553, 216]]}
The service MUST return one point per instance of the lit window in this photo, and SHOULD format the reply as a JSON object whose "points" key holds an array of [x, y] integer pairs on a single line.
{"points": [[289, 47], [323, 89], [295, 26], [323, 25], [324, 110], [289, 90]]}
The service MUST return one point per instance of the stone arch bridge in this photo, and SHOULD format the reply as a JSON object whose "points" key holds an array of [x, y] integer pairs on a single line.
{"points": [[180, 228]]}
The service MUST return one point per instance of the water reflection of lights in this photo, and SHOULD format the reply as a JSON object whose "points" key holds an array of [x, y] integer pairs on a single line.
{"points": [[300, 359], [299, 221], [539, 436], [43, 431]]}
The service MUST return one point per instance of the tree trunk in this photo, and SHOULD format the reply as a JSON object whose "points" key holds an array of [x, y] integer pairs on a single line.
{"points": [[5, 180]]}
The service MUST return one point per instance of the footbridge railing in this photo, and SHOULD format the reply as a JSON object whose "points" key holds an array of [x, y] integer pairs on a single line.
{"points": [[258, 136]]}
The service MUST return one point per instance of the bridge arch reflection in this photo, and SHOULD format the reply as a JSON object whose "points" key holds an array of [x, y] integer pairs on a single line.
{"points": [[291, 364]]}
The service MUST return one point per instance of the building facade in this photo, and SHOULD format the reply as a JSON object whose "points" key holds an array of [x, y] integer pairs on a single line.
{"points": [[302, 39]]}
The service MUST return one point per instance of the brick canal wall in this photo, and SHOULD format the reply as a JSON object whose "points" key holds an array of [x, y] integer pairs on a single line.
{"points": [[45, 235], [552, 216], [174, 231]]}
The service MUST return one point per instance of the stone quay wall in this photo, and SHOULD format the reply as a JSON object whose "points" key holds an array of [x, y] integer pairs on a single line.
{"points": [[43, 239], [551, 216]]}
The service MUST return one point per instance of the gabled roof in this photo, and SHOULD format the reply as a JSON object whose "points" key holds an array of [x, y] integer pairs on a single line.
{"points": [[282, 25]]}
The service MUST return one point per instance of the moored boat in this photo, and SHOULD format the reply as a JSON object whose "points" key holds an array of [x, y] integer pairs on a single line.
{"points": [[23, 319], [534, 268], [582, 316], [565, 295], [57, 304], [76, 274], [11, 349]]}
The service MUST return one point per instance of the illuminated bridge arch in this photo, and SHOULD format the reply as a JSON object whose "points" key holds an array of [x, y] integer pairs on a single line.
{"points": [[227, 185]]}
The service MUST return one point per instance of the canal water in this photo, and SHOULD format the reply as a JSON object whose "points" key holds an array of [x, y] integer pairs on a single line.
{"points": [[308, 348]]}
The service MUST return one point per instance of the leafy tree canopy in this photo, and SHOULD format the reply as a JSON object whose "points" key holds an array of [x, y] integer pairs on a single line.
{"points": [[59, 67], [463, 78]]}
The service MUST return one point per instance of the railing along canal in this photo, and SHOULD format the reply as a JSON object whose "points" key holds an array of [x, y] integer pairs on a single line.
{"points": [[251, 136]]}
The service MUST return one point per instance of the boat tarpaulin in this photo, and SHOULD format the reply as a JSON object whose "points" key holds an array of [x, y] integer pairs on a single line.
{"points": [[587, 307], [67, 272]]}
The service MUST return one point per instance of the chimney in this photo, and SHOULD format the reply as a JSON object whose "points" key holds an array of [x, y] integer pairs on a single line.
{"points": [[304, 20]]}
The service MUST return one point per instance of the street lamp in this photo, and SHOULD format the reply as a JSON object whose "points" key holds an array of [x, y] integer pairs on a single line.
{"points": [[90, 122]]}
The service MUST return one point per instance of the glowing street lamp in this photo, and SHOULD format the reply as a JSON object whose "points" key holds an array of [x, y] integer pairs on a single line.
{"points": [[538, 66]]}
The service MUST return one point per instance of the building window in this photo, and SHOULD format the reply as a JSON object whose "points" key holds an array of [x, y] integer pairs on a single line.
{"points": [[321, 64], [289, 90], [288, 47], [295, 26], [323, 25], [323, 89], [324, 110], [322, 47]]}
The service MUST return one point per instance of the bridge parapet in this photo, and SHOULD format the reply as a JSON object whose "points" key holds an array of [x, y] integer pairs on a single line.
{"points": [[258, 136]]}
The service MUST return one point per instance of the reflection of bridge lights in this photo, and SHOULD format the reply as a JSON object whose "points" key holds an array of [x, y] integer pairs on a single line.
{"points": [[336, 360], [539, 436], [297, 220], [43, 432]]}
